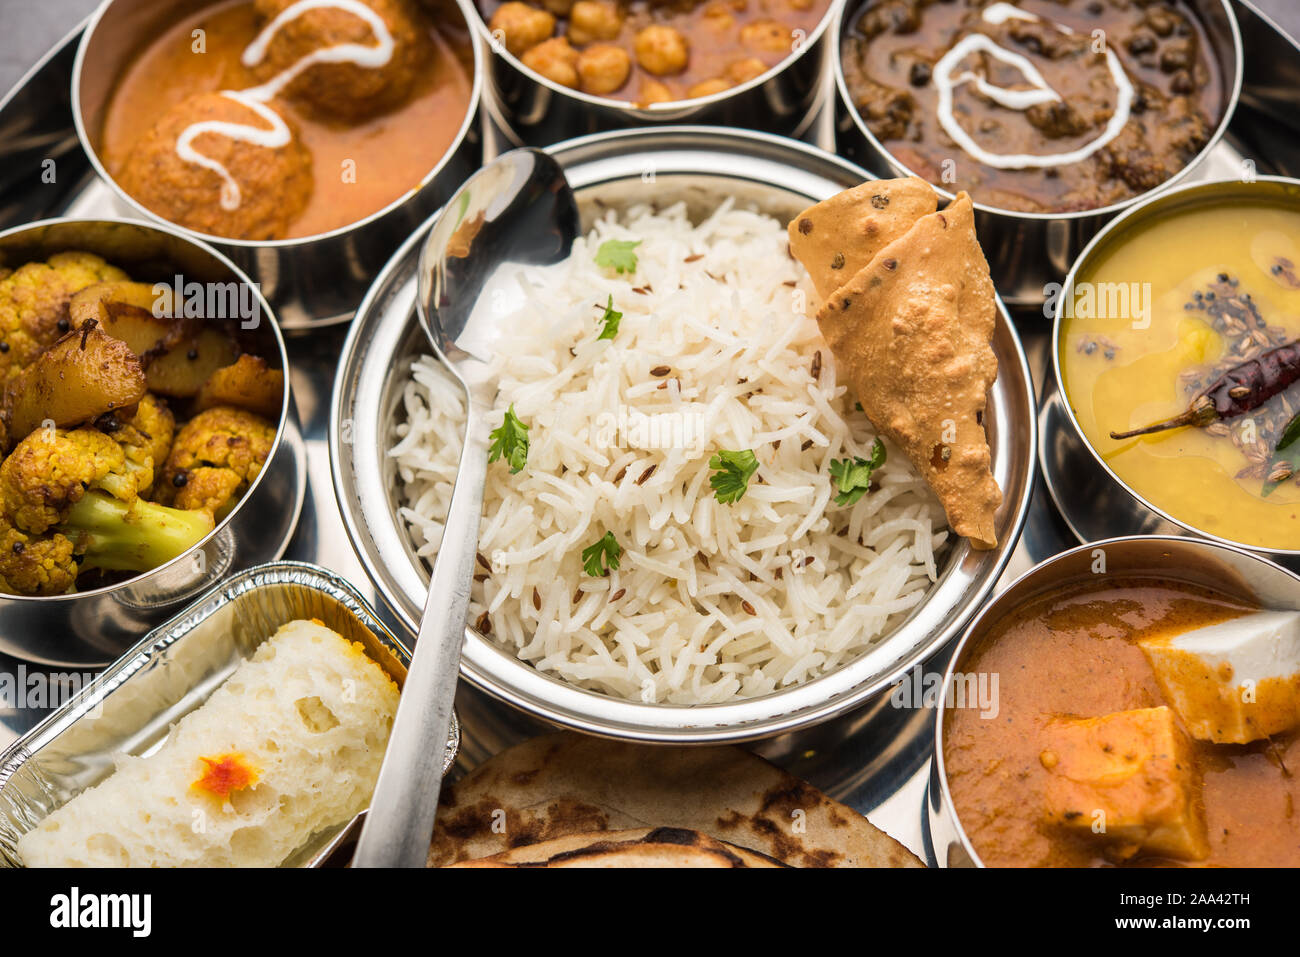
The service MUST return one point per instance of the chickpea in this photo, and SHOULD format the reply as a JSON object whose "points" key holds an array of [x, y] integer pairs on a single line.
{"points": [[653, 91], [523, 26], [800, 4], [767, 36], [742, 71], [717, 16], [661, 50], [708, 87], [603, 68], [558, 8], [593, 20], [555, 60]]}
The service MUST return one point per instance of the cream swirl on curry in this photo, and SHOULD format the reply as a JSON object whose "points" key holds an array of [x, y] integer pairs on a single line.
{"points": [[279, 119], [1038, 106]]}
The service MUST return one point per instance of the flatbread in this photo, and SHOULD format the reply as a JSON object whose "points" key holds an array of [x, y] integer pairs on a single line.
{"points": [[911, 331], [841, 235], [637, 847], [565, 784]]}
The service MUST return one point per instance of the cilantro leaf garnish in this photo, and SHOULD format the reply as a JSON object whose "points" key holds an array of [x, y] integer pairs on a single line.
{"points": [[732, 472], [602, 557], [510, 440], [610, 320], [617, 254], [853, 476]]}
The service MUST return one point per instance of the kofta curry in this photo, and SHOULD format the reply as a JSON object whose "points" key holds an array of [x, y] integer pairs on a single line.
{"points": [[652, 51], [127, 430], [1141, 721], [279, 119]]}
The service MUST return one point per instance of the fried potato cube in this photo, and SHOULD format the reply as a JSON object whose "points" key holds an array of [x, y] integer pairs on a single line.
{"points": [[190, 361], [130, 311], [80, 377], [1129, 780], [248, 384]]}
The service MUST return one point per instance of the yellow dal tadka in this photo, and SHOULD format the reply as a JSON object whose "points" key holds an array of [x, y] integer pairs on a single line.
{"points": [[1120, 376]]}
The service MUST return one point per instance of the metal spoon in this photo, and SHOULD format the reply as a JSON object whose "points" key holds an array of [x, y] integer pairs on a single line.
{"points": [[516, 211]]}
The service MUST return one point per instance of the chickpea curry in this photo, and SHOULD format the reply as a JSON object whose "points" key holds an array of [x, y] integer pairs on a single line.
{"points": [[649, 51], [1038, 105], [290, 118], [1106, 747]]}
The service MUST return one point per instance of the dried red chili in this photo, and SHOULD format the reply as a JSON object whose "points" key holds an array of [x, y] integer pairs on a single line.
{"points": [[1241, 389]]}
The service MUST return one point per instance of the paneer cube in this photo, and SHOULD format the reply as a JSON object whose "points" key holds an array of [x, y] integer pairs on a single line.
{"points": [[1233, 682], [1129, 780]]}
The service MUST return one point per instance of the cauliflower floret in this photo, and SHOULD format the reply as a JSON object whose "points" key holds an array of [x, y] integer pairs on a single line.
{"points": [[145, 437], [35, 566], [50, 470], [34, 304], [214, 458]]}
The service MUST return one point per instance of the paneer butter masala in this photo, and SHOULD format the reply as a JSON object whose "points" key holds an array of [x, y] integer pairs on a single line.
{"points": [[1140, 722]]}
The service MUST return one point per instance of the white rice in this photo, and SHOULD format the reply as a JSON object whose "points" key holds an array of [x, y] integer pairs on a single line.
{"points": [[711, 601]]}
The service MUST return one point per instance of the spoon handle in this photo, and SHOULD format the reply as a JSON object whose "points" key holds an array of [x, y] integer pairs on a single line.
{"points": [[399, 824]]}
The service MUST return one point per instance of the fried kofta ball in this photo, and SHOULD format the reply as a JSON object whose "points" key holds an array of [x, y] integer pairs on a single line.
{"points": [[273, 183], [345, 92]]}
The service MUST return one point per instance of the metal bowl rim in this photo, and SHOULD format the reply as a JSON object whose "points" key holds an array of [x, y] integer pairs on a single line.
{"points": [[286, 400], [1230, 108], [83, 137], [652, 113], [1145, 208], [940, 771], [622, 723]]}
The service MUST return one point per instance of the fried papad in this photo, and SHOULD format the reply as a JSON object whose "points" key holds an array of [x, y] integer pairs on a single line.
{"points": [[567, 784], [637, 847], [911, 333], [841, 235]]}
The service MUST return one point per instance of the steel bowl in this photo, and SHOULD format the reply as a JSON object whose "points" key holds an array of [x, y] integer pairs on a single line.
{"points": [[311, 280], [1225, 568], [1029, 251], [530, 110], [91, 628], [1129, 512], [700, 166]]}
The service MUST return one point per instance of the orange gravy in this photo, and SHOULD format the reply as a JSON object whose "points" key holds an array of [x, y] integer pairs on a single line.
{"points": [[358, 170], [1074, 653]]}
